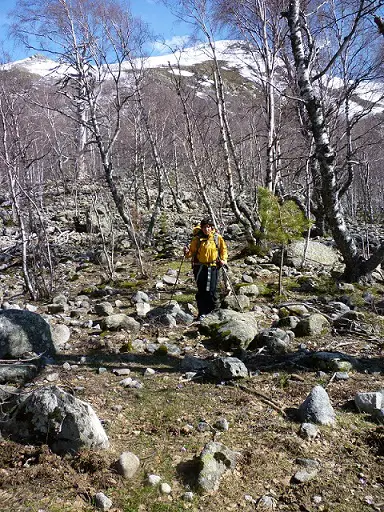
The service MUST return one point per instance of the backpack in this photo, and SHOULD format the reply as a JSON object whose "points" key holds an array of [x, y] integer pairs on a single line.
{"points": [[197, 231]]}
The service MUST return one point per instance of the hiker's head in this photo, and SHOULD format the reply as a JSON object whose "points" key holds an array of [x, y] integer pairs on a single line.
{"points": [[207, 221], [207, 225]]}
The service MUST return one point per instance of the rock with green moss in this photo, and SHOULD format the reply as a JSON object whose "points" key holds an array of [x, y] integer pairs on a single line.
{"points": [[231, 329], [333, 361], [313, 325], [292, 310]]}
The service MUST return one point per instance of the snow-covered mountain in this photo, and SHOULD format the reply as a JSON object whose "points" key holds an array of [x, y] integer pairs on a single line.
{"points": [[233, 56], [233, 53]]}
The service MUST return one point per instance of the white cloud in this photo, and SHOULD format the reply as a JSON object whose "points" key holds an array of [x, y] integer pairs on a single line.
{"points": [[166, 46]]}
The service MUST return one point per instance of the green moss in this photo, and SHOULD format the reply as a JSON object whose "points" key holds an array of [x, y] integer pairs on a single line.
{"points": [[162, 350]]}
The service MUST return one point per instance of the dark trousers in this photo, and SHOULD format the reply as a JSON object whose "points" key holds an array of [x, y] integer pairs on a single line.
{"points": [[207, 281]]}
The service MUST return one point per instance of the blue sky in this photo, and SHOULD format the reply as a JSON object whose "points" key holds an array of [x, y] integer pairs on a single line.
{"points": [[160, 20]]}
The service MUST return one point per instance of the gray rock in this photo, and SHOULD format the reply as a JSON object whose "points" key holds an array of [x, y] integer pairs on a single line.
{"points": [[250, 290], [221, 424], [288, 322], [341, 376], [17, 373], [225, 368], [231, 329], [142, 308], [231, 302], [276, 340], [333, 361], [60, 336], [293, 310], [131, 383], [266, 503], [22, 331], [314, 325], [139, 297], [317, 254], [121, 371], [153, 480], [369, 402], [170, 280], [215, 460], [104, 308], [317, 408], [169, 315], [52, 416], [98, 220], [165, 488], [127, 465], [309, 431], [120, 321], [309, 470], [102, 502], [192, 363], [60, 299]]}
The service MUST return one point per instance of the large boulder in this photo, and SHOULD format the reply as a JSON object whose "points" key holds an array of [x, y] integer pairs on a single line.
{"points": [[317, 254], [22, 331], [315, 324], [231, 329], [52, 416]]}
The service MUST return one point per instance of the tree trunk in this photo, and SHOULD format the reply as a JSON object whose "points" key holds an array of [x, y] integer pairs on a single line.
{"points": [[325, 155]]}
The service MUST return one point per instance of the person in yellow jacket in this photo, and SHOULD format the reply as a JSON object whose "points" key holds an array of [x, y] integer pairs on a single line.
{"points": [[209, 254]]}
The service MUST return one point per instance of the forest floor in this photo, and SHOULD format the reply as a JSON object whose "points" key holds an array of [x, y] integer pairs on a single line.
{"points": [[159, 423]]}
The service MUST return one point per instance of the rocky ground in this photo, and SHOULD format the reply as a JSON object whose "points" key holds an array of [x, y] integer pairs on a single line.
{"points": [[177, 407]]}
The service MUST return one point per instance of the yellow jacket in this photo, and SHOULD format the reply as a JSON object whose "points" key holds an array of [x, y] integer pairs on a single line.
{"points": [[207, 249]]}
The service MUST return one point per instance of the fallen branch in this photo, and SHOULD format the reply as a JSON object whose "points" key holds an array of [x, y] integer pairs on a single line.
{"points": [[263, 398]]}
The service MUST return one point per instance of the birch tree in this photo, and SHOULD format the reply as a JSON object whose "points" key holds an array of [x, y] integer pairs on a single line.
{"points": [[356, 266], [259, 23], [92, 39], [200, 14]]}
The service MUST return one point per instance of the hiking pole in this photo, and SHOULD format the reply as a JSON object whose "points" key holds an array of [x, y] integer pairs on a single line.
{"points": [[177, 278], [231, 287]]}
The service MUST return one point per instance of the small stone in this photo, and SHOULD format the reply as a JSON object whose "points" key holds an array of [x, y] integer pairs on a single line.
{"points": [[149, 371], [266, 503], [165, 488], [121, 371], [341, 376], [222, 424], [66, 366], [188, 496], [52, 377], [101, 370], [127, 465], [102, 501], [309, 431], [131, 383], [203, 426], [187, 429], [153, 480]]}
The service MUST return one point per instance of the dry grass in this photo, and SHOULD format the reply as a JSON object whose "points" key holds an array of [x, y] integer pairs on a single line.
{"points": [[154, 423]]}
